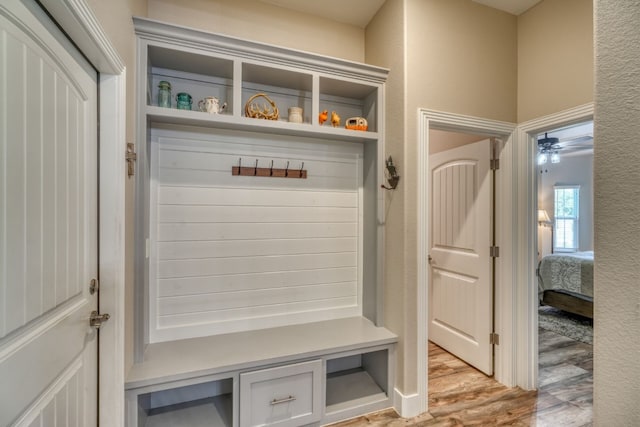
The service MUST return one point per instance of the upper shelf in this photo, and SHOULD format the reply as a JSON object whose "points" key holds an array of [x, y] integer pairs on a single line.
{"points": [[234, 71], [225, 121]]}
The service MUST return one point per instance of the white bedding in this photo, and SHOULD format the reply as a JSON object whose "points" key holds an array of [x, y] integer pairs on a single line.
{"points": [[571, 272]]}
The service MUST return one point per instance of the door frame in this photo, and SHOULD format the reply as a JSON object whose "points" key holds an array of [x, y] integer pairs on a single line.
{"points": [[526, 296], [80, 23], [504, 295]]}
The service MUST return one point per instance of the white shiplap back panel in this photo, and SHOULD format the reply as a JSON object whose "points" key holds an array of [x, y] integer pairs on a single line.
{"points": [[233, 253]]}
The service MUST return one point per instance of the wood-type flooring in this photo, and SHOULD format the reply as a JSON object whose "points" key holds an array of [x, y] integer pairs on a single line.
{"points": [[459, 395]]}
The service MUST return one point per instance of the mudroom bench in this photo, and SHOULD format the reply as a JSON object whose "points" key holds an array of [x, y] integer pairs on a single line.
{"points": [[259, 235], [314, 373]]}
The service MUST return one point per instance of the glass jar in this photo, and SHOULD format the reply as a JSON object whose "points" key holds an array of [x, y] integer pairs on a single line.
{"points": [[164, 94], [184, 101]]}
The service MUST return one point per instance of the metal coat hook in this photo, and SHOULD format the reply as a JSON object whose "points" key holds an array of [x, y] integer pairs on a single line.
{"points": [[392, 175], [301, 167], [271, 169], [286, 171], [255, 169]]}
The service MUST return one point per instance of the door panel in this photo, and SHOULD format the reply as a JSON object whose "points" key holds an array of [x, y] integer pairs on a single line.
{"points": [[48, 226], [461, 312]]}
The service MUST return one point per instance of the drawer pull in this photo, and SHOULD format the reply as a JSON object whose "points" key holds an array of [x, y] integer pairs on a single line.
{"points": [[283, 400]]}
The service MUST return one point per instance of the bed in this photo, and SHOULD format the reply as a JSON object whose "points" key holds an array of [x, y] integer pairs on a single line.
{"points": [[565, 281]]}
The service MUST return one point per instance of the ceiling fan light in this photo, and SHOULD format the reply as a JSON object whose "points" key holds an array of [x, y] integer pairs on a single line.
{"points": [[542, 158], [555, 157]]}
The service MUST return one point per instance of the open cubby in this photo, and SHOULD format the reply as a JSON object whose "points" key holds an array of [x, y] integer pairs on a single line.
{"points": [[284, 87], [349, 99], [356, 380], [196, 74], [205, 404]]}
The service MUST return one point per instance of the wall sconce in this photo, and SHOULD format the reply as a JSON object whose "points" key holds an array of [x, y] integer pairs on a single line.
{"points": [[391, 174]]}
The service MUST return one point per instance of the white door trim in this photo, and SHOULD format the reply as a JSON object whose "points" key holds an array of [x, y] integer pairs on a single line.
{"points": [[80, 23], [526, 295], [504, 273]]}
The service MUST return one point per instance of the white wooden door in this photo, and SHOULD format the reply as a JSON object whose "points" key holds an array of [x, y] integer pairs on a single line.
{"points": [[48, 224], [460, 294]]}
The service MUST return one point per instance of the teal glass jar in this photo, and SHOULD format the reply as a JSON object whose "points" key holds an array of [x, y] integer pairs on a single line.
{"points": [[164, 94], [184, 101]]}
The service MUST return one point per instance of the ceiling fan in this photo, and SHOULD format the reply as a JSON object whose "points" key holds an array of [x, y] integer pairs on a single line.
{"points": [[549, 147]]}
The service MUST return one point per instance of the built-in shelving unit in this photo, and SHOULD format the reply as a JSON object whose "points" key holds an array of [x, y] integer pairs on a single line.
{"points": [[250, 288]]}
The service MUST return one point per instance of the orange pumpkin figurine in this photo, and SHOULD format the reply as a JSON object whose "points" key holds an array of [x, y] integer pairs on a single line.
{"points": [[322, 117], [335, 119]]}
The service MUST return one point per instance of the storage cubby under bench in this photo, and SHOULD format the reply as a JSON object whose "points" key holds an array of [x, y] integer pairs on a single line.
{"points": [[314, 373]]}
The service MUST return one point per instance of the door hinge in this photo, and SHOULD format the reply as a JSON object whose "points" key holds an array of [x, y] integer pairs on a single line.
{"points": [[96, 320], [131, 157], [494, 251], [494, 338], [494, 164]]}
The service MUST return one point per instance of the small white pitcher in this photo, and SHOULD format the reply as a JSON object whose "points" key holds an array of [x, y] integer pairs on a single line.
{"points": [[211, 105]]}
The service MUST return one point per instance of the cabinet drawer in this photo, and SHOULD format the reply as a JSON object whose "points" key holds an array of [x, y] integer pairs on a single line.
{"points": [[285, 396]]}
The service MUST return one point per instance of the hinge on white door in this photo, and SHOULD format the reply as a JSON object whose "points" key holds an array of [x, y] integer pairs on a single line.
{"points": [[131, 157], [494, 163], [494, 251], [494, 339]]}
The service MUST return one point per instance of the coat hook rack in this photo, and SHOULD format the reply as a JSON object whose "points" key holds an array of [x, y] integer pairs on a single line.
{"points": [[268, 172]]}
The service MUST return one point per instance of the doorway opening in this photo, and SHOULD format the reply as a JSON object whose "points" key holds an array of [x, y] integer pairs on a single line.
{"points": [[565, 257], [480, 128], [526, 297]]}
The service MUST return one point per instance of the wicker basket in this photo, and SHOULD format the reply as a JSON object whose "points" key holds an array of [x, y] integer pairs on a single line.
{"points": [[266, 110]]}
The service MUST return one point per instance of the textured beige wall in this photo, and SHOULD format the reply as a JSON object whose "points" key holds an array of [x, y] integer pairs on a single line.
{"points": [[385, 47], [265, 23], [462, 58], [449, 55], [555, 57], [617, 218], [115, 18]]}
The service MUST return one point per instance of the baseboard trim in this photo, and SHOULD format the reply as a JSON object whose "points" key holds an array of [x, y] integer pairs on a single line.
{"points": [[408, 406]]}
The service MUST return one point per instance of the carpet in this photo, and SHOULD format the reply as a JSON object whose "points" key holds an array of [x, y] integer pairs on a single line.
{"points": [[570, 325]]}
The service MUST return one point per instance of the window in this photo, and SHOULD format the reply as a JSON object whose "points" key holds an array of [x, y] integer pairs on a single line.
{"points": [[566, 208]]}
